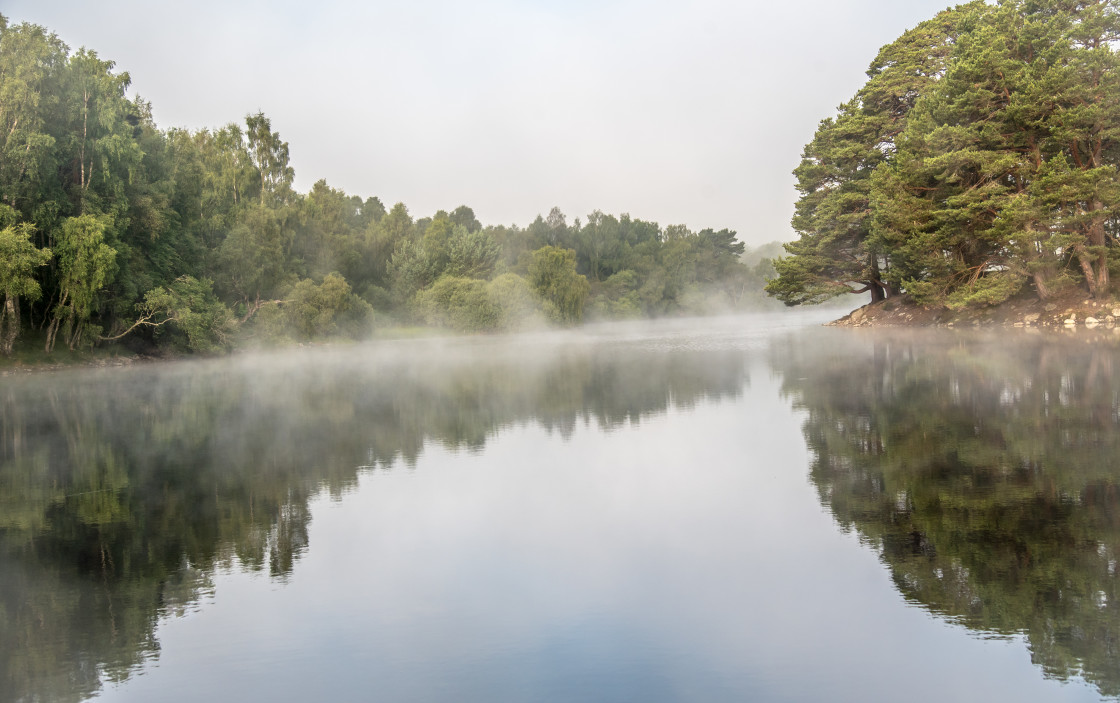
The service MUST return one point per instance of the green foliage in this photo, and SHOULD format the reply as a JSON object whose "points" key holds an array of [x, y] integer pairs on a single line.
{"points": [[18, 260], [463, 216], [269, 154], [461, 304], [31, 68], [317, 310], [1002, 211], [617, 297], [85, 265], [553, 277], [329, 237], [97, 132], [981, 154], [410, 269], [196, 313], [251, 262], [835, 254], [140, 220], [471, 253], [517, 306], [312, 311]]}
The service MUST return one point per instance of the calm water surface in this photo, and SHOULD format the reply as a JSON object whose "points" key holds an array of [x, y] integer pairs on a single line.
{"points": [[735, 509]]}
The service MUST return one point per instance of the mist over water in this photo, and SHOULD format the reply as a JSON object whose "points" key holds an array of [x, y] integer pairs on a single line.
{"points": [[747, 508]]}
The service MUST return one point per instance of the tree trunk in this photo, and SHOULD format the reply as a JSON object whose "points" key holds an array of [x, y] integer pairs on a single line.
{"points": [[85, 131], [1041, 279], [52, 330], [877, 292], [9, 324], [1086, 262], [1097, 239], [74, 334]]}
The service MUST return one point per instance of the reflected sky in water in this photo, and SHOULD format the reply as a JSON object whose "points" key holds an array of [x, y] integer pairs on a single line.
{"points": [[631, 514]]}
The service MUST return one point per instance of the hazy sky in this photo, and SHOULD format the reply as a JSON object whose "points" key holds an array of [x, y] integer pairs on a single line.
{"points": [[682, 113]]}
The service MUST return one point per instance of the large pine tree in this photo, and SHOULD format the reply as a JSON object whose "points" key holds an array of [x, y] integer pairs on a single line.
{"points": [[835, 254], [1004, 171]]}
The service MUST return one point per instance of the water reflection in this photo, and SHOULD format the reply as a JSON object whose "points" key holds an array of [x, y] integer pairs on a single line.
{"points": [[122, 491], [984, 472]]}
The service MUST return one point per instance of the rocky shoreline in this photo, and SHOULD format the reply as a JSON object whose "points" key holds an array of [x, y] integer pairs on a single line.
{"points": [[1068, 312], [19, 368]]}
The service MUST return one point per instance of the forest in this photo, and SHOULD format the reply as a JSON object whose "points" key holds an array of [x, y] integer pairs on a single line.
{"points": [[978, 162], [116, 232]]}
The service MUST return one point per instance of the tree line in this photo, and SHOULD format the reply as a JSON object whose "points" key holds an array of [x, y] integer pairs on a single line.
{"points": [[115, 231], [978, 162]]}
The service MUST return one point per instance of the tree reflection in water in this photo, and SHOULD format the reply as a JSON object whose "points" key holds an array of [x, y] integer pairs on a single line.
{"points": [[984, 471], [122, 491]]}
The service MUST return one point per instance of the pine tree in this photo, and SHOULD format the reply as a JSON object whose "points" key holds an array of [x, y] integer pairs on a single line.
{"points": [[835, 253]]}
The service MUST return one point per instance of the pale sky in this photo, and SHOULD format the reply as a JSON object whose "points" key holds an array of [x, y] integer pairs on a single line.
{"points": [[681, 113]]}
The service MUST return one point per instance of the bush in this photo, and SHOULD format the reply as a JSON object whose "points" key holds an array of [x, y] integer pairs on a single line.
{"points": [[194, 311], [562, 291], [462, 304], [314, 311], [514, 299]]}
